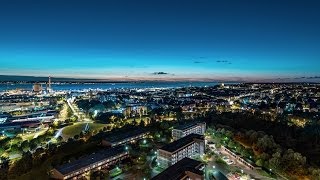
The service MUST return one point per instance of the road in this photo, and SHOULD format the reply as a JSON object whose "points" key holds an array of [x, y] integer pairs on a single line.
{"points": [[237, 166], [75, 110], [58, 133], [253, 173]]}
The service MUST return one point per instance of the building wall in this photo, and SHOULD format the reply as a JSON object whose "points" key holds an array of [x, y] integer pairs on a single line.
{"points": [[55, 174], [124, 141], [166, 159], [199, 128]]}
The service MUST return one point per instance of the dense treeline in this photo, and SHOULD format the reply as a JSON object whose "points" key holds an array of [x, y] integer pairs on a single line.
{"points": [[284, 142], [304, 140]]}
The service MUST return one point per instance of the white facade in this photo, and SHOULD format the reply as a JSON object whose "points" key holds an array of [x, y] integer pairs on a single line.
{"points": [[194, 148], [199, 128]]}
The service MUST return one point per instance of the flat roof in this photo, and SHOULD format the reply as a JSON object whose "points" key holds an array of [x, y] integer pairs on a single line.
{"points": [[121, 135], [178, 170], [90, 159], [19, 123], [187, 126], [175, 145], [217, 175]]}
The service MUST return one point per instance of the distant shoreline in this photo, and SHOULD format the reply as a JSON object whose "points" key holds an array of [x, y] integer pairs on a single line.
{"points": [[16, 79]]}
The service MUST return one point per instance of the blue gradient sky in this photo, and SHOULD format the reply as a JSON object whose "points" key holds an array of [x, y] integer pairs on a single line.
{"points": [[199, 39]]}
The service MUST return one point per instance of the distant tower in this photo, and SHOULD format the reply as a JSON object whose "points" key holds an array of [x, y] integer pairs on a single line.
{"points": [[49, 85]]}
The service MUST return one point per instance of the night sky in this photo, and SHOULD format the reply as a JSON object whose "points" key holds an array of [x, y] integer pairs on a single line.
{"points": [[250, 40]]}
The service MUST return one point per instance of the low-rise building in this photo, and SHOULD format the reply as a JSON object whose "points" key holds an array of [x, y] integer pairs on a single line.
{"points": [[241, 159], [186, 129], [126, 137], [183, 170], [95, 161], [188, 146]]}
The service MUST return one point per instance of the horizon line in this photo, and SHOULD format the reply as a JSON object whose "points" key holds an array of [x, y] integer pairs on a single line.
{"points": [[314, 79]]}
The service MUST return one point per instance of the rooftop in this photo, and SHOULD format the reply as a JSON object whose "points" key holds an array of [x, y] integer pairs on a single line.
{"points": [[219, 176], [90, 159], [121, 135], [186, 126], [175, 145], [178, 170], [17, 124]]}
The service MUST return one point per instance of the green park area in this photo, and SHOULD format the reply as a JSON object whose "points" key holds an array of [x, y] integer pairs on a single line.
{"points": [[30, 136], [76, 129]]}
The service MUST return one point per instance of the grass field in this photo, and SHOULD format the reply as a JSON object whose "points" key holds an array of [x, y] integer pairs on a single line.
{"points": [[33, 135], [71, 131]]}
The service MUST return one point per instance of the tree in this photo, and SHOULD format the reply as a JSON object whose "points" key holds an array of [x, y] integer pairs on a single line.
{"points": [[275, 161], [229, 134], [293, 160], [142, 124], [179, 113], [253, 137], [76, 137], [260, 162], [266, 143], [60, 139], [109, 104], [231, 144], [4, 167], [21, 166]]}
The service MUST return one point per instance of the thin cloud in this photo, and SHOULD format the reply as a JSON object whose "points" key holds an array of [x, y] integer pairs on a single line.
{"points": [[313, 77], [160, 73], [224, 61], [310, 77], [199, 60]]}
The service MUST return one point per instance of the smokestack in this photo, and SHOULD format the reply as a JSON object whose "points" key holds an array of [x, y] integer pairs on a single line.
{"points": [[49, 84]]}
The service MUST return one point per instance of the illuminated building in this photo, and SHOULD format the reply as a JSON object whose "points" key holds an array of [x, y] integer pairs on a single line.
{"points": [[184, 130], [101, 159], [125, 137], [188, 146]]}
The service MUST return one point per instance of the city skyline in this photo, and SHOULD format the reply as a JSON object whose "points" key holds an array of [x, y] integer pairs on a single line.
{"points": [[246, 41]]}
